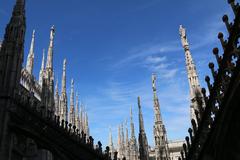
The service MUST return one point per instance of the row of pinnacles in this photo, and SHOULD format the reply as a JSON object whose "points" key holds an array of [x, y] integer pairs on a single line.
{"points": [[31, 104], [44, 91], [133, 149]]}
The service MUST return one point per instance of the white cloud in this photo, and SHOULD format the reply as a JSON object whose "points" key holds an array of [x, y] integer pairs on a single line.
{"points": [[155, 59]]}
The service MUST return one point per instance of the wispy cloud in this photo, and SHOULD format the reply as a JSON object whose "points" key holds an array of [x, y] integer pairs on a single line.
{"points": [[146, 50]]}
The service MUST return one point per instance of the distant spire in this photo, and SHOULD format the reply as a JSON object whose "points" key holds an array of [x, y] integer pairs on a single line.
{"points": [[49, 65], [160, 135], [77, 117], [132, 124], [81, 118], [64, 77], [72, 110], [56, 98], [64, 107], [127, 152], [141, 123], [30, 59], [120, 151], [126, 127], [87, 125], [195, 89], [133, 142], [41, 73], [111, 147], [142, 138], [123, 140], [157, 112]]}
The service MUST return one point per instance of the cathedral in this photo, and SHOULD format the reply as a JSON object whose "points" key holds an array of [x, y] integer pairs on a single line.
{"points": [[163, 149], [38, 123]]}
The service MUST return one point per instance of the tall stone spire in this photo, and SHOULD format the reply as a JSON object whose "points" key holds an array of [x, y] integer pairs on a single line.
{"points": [[49, 65], [197, 101], [81, 118], [87, 125], [56, 98], [11, 59], [123, 140], [127, 152], [111, 147], [120, 151], [41, 73], [30, 59], [142, 138], [72, 110], [133, 142], [160, 135], [12, 50], [77, 117], [47, 97], [63, 98]]}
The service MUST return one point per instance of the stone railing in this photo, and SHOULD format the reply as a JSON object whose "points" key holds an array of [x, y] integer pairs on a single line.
{"points": [[29, 106]]}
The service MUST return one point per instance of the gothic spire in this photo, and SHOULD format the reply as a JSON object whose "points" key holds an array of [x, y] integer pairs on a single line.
{"points": [[157, 112], [195, 89], [87, 125], [142, 138], [133, 142], [41, 73], [72, 110], [141, 124], [64, 107], [12, 50], [77, 117], [64, 78], [30, 59], [123, 140], [132, 124], [120, 151], [49, 65], [160, 135], [190, 65], [56, 98], [81, 118], [126, 142], [111, 147]]}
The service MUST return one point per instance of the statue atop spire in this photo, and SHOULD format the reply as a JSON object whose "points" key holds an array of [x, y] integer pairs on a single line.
{"points": [[160, 135], [158, 117], [197, 102], [142, 138], [30, 59]]}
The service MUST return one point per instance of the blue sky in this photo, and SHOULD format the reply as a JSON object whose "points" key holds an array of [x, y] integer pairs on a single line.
{"points": [[113, 46]]}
